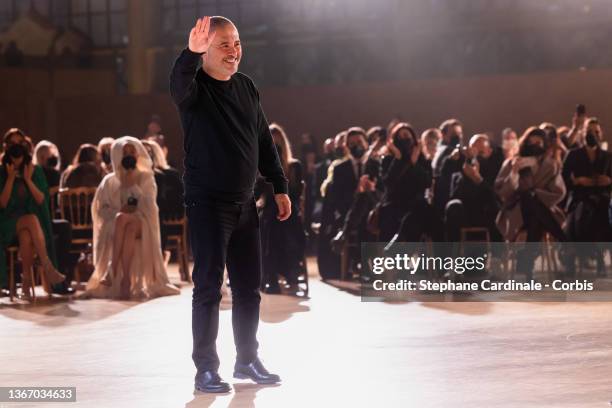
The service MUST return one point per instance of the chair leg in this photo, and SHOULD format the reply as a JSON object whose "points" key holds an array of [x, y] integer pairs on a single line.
{"points": [[77, 276], [344, 261], [179, 256], [11, 277], [185, 260]]}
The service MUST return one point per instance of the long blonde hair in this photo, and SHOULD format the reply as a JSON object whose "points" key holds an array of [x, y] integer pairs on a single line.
{"points": [[286, 156]]}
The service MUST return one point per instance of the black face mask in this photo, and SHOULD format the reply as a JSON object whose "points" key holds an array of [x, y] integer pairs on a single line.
{"points": [[16, 151], [404, 145], [106, 157], [339, 152], [357, 151], [591, 139], [531, 150], [128, 162], [330, 155], [52, 161], [454, 140]]}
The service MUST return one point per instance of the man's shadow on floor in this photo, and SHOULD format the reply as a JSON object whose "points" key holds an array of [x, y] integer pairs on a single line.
{"points": [[243, 395]]}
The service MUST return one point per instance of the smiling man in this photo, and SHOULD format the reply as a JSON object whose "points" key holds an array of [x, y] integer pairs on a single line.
{"points": [[226, 141]]}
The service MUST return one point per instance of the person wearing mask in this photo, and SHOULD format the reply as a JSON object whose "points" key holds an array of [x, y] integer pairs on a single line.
{"points": [[85, 170], [530, 187], [104, 148], [127, 251], [47, 156], [473, 202], [576, 132], [509, 143], [406, 175], [24, 213], [339, 189], [282, 243], [446, 162], [587, 172], [170, 192], [227, 140]]}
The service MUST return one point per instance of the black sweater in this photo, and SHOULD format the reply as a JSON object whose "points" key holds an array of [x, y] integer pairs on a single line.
{"points": [[226, 134]]}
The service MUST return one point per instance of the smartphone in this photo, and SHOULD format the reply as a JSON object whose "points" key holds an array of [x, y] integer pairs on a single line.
{"points": [[580, 109]]}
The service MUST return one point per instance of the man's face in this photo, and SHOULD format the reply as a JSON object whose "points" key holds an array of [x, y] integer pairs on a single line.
{"points": [[595, 128], [224, 54], [455, 134], [356, 140]]}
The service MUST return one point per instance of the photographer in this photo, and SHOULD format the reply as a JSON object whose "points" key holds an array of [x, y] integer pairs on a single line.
{"points": [[406, 175], [529, 188], [473, 202], [127, 249], [24, 212], [446, 163]]}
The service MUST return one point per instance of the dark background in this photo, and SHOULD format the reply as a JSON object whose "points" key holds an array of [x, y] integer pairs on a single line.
{"points": [[79, 70]]}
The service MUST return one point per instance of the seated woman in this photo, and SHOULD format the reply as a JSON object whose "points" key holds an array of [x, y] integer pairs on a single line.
{"points": [[24, 212], [530, 187], [127, 255], [46, 155], [169, 188], [86, 169], [282, 243]]}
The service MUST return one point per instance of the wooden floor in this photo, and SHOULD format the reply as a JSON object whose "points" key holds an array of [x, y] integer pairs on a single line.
{"points": [[331, 351]]}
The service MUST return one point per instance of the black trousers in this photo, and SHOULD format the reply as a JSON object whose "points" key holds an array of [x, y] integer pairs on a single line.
{"points": [[224, 234]]}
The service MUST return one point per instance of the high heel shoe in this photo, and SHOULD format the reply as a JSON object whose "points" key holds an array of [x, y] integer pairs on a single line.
{"points": [[53, 277], [26, 289]]}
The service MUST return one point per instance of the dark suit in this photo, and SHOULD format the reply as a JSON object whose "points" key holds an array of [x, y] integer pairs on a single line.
{"points": [[337, 202], [587, 207]]}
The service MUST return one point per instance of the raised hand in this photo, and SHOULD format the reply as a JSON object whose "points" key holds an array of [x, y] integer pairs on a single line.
{"points": [[28, 170], [200, 37]]}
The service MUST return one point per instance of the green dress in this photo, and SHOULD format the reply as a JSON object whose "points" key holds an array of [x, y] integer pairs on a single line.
{"points": [[21, 203]]}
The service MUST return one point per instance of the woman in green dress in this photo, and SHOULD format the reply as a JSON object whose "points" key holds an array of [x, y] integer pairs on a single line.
{"points": [[24, 212]]}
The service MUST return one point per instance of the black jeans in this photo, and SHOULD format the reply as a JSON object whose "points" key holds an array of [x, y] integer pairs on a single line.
{"points": [[224, 234]]}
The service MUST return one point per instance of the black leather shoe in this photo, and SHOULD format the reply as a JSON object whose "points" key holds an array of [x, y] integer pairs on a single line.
{"points": [[255, 371], [63, 289], [209, 381], [272, 290]]}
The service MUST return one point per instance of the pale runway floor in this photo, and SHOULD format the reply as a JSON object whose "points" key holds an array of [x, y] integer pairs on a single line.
{"points": [[331, 351]]}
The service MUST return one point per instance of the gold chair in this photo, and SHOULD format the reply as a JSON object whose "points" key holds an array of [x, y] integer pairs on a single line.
{"points": [[177, 240], [75, 206], [53, 199]]}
